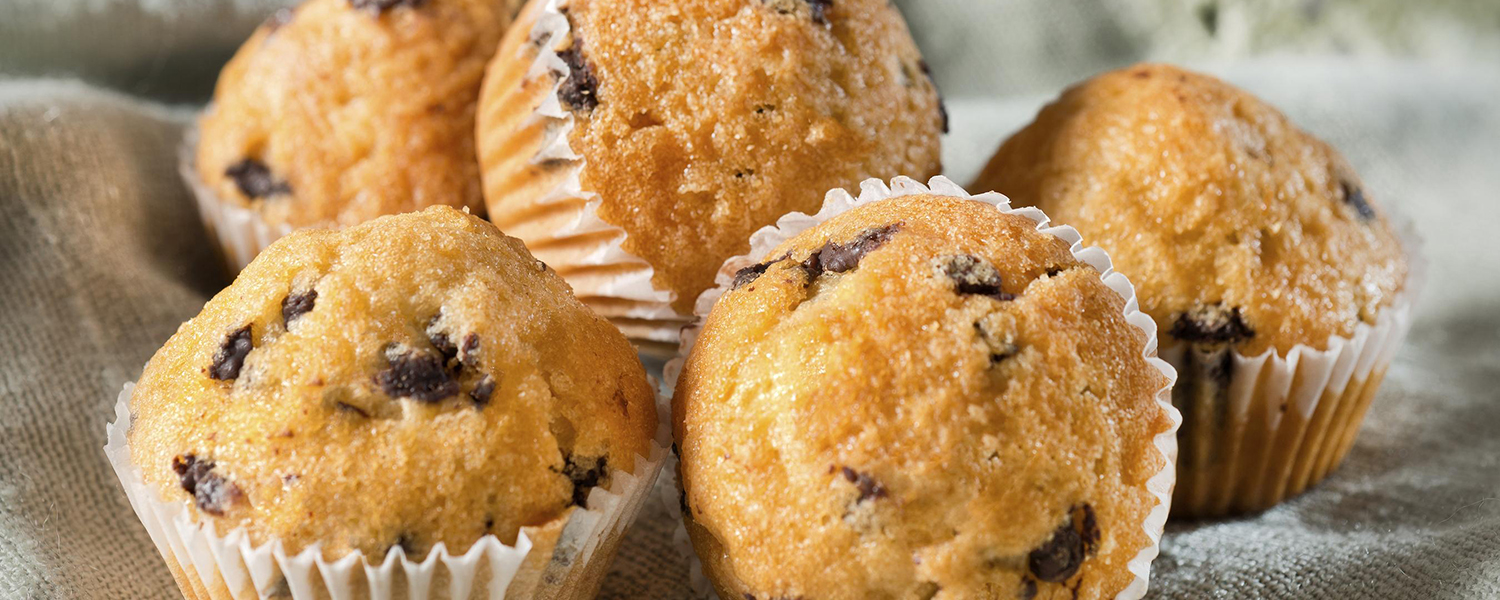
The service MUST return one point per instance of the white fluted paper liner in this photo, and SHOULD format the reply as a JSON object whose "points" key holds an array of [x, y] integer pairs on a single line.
{"points": [[1288, 418], [571, 238], [240, 232], [207, 564], [839, 201]]}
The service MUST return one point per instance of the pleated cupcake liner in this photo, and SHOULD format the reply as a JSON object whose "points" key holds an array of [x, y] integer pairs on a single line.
{"points": [[564, 559], [533, 189], [839, 201], [1260, 429], [240, 233]]}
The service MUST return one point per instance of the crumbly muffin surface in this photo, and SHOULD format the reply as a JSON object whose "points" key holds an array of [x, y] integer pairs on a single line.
{"points": [[1236, 226], [701, 121], [413, 380], [920, 398], [344, 110]]}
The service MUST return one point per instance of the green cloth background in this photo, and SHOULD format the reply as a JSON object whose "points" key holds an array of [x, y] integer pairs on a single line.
{"points": [[102, 256]]}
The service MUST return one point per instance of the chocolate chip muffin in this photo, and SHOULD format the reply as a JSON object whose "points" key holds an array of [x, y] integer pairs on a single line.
{"points": [[1246, 237], [635, 146], [922, 397], [339, 111], [413, 381]]}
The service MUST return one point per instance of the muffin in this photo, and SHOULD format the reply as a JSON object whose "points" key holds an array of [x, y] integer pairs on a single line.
{"points": [[924, 396], [1281, 285], [340, 111], [635, 146], [368, 398]]}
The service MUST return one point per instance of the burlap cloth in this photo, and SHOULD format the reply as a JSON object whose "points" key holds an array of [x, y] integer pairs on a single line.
{"points": [[102, 256]]}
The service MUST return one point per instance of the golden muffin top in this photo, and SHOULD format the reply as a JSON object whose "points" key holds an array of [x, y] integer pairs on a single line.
{"points": [[344, 110], [1236, 226], [923, 397], [413, 380]]}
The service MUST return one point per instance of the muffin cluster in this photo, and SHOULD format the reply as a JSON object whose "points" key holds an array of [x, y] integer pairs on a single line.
{"points": [[910, 392]]}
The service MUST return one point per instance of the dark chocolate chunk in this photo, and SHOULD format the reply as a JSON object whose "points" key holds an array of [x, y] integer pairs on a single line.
{"points": [[469, 352], [585, 474], [380, 6], [942, 106], [420, 376], [296, 305], [1355, 197], [999, 348], [1028, 589], [231, 355], [839, 258], [212, 493], [971, 275], [749, 274], [1059, 557], [868, 487], [580, 91], [482, 391], [255, 180], [1212, 324], [1088, 528]]}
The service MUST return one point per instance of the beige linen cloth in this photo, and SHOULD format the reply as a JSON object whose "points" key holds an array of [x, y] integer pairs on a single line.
{"points": [[102, 256]]}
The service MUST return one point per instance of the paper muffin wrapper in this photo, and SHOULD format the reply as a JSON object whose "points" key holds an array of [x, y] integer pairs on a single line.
{"points": [[533, 189], [839, 201], [1260, 429], [566, 558], [240, 233]]}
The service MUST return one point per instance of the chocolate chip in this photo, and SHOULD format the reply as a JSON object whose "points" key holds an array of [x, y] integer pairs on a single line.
{"points": [[942, 106], [585, 474], [212, 493], [296, 305], [1211, 324], [255, 180], [749, 274], [469, 352], [231, 355], [1089, 529], [868, 487], [380, 6], [1000, 348], [971, 275], [580, 91], [417, 375], [482, 391], [1059, 557], [1355, 197], [443, 345], [1028, 589], [838, 258]]}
